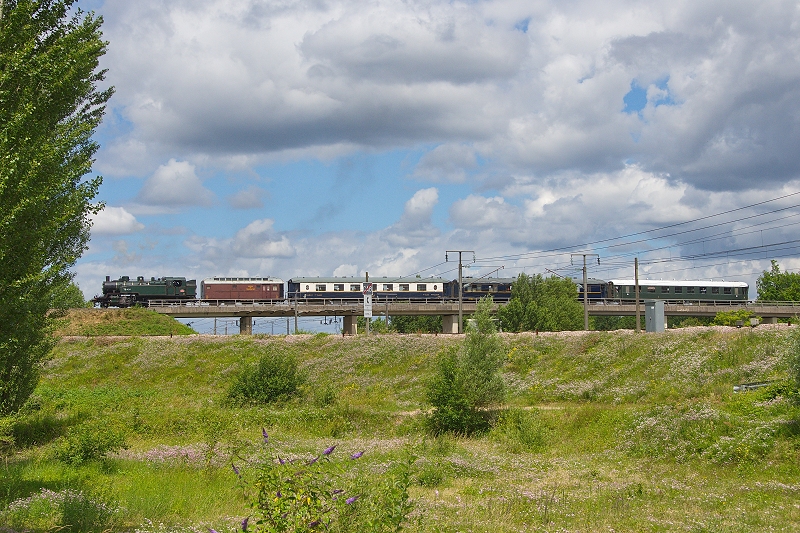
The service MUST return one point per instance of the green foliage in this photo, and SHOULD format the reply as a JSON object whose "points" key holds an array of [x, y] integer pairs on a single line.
{"points": [[68, 510], [688, 321], [730, 318], [777, 286], [521, 431], [49, 109], [611, 323], [793, 358], [68, 296], [275, 377], [542, 304], [376, 325], [467, 379], [88, 442], [417, 324], [320, 494]]}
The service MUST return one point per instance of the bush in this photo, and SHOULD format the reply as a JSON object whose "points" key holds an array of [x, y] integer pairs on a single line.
{"points": [[274, 378], [730, 318], [467, 380], [88, 442]]}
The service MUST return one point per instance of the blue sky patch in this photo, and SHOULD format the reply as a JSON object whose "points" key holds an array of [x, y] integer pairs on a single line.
{"points": [[636, 99]]}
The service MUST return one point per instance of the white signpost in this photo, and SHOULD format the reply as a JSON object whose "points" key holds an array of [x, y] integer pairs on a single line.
{"points": [[368, 300]]}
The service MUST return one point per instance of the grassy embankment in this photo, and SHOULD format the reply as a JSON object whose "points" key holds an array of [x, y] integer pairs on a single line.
{"points": [[603, 431]]}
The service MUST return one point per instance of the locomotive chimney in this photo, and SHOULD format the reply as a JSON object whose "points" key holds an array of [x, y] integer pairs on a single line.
{"points": [[108, 278]]}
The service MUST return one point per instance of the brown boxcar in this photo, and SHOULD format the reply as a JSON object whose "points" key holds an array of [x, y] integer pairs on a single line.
{"points": [[234, 288]]}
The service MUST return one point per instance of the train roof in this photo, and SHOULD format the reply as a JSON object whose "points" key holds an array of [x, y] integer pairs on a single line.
{"points": [[680, 283], [234, 279], [362, 279]]}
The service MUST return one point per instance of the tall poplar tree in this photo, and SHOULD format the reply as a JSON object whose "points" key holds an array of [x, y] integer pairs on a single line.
{"points": [[50, 106]]}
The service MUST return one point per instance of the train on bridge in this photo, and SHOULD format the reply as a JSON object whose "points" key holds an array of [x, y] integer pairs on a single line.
{"points": [[126, 292]]}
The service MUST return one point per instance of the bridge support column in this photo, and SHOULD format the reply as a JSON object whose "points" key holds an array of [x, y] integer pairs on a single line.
{"points": [[246, 325], [449, 324], [770, 320], [350, 325]]}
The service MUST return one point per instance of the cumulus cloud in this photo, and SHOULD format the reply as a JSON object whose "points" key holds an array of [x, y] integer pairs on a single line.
{"points": [[250, 198], [446, 163], [115, 221], [414, 227], [258, 239], [175, 184]]}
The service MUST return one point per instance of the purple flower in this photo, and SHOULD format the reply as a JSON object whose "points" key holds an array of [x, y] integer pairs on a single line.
{"points": [[337, 491], [315, 523], [351, 499], [278, 494], [236, 470], [312, 461], [329, 450], [244, 523], [281, 461], [357, 455], [212, 530], [264, 434]]}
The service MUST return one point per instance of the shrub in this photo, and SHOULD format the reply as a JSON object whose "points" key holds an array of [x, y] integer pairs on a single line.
{"points": [[274, 378], [67, 510], [730, 318], [467, 380], [87, 442]]}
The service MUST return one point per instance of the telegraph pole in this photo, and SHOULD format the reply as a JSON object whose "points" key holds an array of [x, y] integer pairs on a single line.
{"points": [[586, 289], [367, 319], [460, 285], [636, 288]]}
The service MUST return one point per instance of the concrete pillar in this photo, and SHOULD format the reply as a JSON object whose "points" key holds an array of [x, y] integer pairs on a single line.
{"points": [[770, 320], [246, 325], [449, 324], [350, 325]]}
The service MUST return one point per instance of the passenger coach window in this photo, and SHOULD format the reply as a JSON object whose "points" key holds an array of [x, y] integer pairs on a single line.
{"points": [[321, 287], [422, 287], [714, 290], [703, 290], [388, 286], [404, 287], [651, 289], [664, 289], [678, 290], [689, 290], [338, 287], [355, 287], [727, 290]]}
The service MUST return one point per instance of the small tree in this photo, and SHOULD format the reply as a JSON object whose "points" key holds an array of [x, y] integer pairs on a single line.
{"points": [[777, 286], [542, 304], [467, 378]]}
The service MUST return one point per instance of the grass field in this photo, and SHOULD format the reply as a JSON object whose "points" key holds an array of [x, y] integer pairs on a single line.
{"points": [[600, 432]]}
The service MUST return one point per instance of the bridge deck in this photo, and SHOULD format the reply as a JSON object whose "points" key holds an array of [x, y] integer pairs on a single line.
{"points": [[343, 307]]}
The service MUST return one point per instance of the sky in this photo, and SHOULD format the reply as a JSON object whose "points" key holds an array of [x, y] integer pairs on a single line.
{"points": [[319, 138]]}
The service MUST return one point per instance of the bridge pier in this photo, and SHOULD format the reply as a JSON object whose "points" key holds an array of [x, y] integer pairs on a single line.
{"points": [[770, 320], [449, 324], [350, 325], [246, 325]]}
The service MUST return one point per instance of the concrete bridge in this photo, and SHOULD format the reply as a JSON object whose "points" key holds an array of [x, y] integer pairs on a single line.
{"points": [[351, 309]]}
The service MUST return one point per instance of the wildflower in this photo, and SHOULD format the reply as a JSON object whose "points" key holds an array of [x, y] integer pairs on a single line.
{"points": [[351, 499], [315, 523], [357, 455], [264, 434], [281, 461], [244, 523], [337, 491], [212, 530], [312, 461], [236, 470], [329, 450]]}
